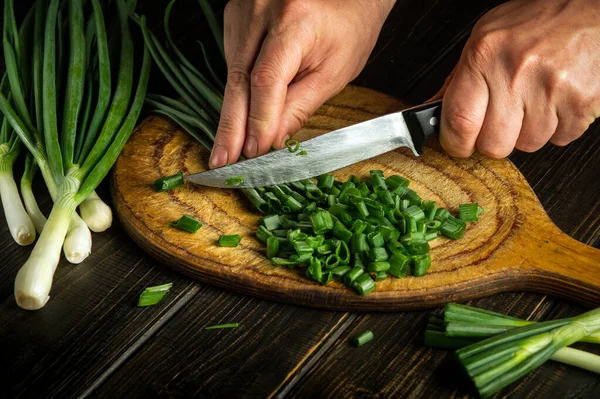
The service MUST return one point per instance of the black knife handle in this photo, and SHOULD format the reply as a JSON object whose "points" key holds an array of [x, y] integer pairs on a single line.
{"points": [[423, 121]]}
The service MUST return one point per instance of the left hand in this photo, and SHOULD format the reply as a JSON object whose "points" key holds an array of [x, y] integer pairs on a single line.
{"points": [[529, 74]]}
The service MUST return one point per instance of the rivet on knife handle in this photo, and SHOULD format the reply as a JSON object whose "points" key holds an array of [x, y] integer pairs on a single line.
{"points": [[423, 121]]}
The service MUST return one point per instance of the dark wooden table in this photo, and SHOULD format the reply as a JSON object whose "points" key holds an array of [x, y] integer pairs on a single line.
{"points": [[91, 340]]}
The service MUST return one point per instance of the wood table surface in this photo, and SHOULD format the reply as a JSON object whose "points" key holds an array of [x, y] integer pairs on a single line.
{"points": [[91, 340]]}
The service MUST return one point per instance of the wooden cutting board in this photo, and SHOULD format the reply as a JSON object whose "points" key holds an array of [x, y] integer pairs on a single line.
{"points": [[513, 247]]}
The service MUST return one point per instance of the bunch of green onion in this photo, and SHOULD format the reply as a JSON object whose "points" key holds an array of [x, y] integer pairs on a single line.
{"points": [[66, 107], [495, 350]]}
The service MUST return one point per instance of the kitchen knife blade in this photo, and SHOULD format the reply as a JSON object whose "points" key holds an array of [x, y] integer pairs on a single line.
{"points": [[330, 151]]}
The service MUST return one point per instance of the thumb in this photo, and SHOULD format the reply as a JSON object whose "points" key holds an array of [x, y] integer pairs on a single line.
{"points": [[304, 97]]}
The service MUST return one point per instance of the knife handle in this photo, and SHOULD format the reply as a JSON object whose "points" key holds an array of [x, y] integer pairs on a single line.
{"points": [[423, 121]]}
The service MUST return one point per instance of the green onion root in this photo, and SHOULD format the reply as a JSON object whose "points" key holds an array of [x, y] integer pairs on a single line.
{"points": [[96, 213], [19, 223]]}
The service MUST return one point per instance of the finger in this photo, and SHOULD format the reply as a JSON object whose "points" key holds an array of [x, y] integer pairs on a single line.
{"points": [[539, 124], [234, 113], [304, 97], [502, 124], [569, 128], [275, 67], [463, 111]]}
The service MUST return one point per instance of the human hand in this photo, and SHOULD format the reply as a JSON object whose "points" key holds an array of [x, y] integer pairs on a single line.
{"points": [[529, 74], [285, 58]]}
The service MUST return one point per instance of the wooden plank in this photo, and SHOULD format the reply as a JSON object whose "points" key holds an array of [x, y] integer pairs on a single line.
{"points": [[266, 350], [396, 364]]}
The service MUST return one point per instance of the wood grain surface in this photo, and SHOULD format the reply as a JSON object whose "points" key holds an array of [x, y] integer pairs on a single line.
{"points": [[91, 341], [514, 246]]}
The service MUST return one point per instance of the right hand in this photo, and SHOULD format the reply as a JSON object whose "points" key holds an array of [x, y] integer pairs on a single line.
{"points": [[285, 58]]}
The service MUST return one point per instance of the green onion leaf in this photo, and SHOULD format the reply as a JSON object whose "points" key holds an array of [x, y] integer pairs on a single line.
{"points": [[222, 326]]}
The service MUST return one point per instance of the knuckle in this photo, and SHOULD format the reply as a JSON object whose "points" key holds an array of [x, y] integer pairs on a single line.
{"points": [[300, 115], [561, 140], [463, 125], [484, 47], [529, 145], [493, 151], [265, 75], [237, 76]]}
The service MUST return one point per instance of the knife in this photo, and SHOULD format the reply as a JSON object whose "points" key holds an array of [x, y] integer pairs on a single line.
{"points": [[330, 151]]}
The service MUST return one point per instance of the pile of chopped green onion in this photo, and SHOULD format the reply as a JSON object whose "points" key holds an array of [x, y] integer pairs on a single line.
{"points": [[358, 231], [495, 350], [70, 98]]}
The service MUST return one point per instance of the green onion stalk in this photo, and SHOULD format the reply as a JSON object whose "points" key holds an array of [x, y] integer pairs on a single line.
{"points": [[496, 350], [76, 154], [19, 223], [31, 205]]}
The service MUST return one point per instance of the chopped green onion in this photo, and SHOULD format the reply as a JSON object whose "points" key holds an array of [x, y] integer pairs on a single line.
{"points": [[397, 181], [377, 254], [380, 275], [362, 338], [263, 233], [321, 221], [469, 212], [222, 326], [315, 271], [272, 247], [359, 243], [422, 264], [229, 240], [376, 239], [153, 295], [399, 265], [292, 145], [377, 266], [453, 228], [415, 212], [340, 271], [234, 181], [272, 222], [301, 153], [353, 274], [442, 214], [364, 284], [168, 182], [187, 223], [325, 181]]}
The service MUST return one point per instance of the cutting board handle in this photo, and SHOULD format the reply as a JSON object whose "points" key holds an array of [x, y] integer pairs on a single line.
{"points": [[563, 266]]}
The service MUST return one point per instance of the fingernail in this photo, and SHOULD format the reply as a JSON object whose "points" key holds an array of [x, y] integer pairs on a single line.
{"points": [[251, 147], [218, 158]]}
